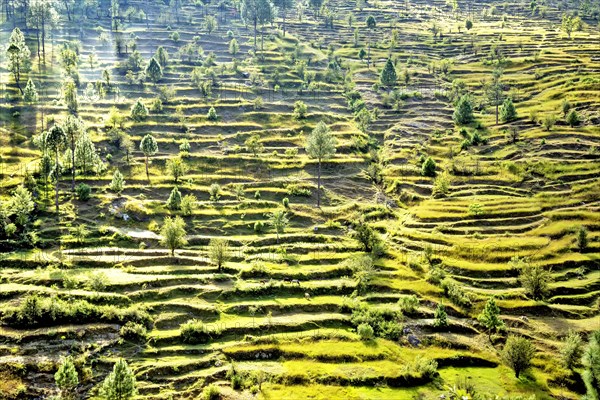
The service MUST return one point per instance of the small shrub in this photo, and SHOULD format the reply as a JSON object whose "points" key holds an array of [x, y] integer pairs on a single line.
{"points": [[259, 227], [365, 331], [212, 114], [83, 192], [286, 202], [134, 332], [408, 304], [211, 392], [194, 332]]}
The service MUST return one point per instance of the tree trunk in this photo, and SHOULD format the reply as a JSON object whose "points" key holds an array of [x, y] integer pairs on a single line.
{"points": [[319, 185], [284, 13], [56, 183], [147, 173], [73, 164], [496, 113], [44, 38], [255, 23]]}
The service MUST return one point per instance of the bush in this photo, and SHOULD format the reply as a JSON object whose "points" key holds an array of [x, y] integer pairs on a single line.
{"points": [[259, 227], [456, 293], [211, 392], [365, 331], [295, 189], [286, 202], [367, 236], [385, 322], [83, 192], [571, 350], [435, 275], [440, 317], [50, 311], [534, 278], [194, 332], [134, 332], [408, 304], [573, 118], [300, 110]]}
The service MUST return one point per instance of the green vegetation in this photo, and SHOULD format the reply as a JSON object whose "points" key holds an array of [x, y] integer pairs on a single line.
{"points": [[161, 162]]}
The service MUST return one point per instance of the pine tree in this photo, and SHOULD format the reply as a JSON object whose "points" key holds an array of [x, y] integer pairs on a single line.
{"points": [[66, 379], [154, 71], [591, 365], [508, 112], [70, 95], [174, 200], [463, 113], [18, 56], [120, 383], [117, 184], [490, 316], [428, 167], [320, 145], [162, 56], [56, 140], [139, 111], [212, 114], [74, 128], [388, 74], [30, 95]]}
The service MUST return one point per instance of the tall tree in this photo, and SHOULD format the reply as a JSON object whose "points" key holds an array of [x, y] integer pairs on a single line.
{"points": [[173, 234], [278, 221], [42, 16], [74, 127], [320, 145], [284, 6], [256, 12], [149, 147], [120, 383], [218, 251], [495, 90], [18, 56], [371, 25], [518, 353], [55, 141], [70, 95]]}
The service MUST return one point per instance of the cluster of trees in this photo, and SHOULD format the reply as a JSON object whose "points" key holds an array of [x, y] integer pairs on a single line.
{"points": [[119, 384]]}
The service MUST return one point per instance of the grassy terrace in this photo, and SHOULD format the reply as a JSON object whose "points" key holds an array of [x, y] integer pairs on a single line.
{"points": [[520, 191]]}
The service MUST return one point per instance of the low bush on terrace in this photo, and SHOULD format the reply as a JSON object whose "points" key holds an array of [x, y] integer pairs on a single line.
{"points": [[385, 322], [35, 311]]}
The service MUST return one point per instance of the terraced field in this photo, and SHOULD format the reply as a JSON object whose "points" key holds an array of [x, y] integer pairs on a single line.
{"points": [[279, 319]]}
